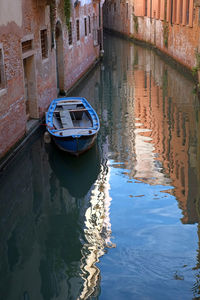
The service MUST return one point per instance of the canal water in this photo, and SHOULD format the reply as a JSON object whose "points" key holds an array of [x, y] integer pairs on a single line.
{"points": [[122, 220]]}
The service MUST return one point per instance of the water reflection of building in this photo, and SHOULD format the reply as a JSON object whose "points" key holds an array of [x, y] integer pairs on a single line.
{"points": [[97, 234], [168, 112], [156, 125], [156, 129]]}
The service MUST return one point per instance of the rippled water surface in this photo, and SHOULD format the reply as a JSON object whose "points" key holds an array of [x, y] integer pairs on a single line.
{"points": [[122, 220]]}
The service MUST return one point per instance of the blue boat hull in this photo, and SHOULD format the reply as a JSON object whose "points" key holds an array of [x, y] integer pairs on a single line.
{"points": [[75, 145], [73, 124]]}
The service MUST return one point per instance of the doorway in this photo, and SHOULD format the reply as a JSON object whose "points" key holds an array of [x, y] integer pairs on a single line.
{"points": [[30, 88]]}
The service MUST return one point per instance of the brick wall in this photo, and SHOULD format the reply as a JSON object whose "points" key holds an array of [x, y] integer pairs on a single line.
{"points": [[30, 47]]}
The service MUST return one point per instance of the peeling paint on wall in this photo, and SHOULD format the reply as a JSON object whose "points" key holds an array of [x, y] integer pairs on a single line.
{"points": [[11, 11]]}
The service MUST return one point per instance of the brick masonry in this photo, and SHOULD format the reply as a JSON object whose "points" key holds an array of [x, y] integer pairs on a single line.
{"points": [[28, 81]]}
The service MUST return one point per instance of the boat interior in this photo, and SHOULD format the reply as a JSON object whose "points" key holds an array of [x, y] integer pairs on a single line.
{"points": [[71, 115]]}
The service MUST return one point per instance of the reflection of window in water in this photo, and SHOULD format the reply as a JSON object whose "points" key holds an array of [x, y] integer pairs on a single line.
{"points": [[145, 79], [178, 124], [183, 176], [184, 130]]}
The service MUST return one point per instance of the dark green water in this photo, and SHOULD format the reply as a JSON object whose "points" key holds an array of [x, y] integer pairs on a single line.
{"points": [[122, 220]]}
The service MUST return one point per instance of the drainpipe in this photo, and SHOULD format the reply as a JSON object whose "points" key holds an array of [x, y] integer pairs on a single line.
{"points": [[101, 28], [198, 47]]}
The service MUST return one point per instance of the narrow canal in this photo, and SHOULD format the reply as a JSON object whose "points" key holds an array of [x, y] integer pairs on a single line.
{"points": [[122, 220]]}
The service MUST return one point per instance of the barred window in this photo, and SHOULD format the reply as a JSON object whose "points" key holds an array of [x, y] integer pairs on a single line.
{"points": [[44, 43], [27, 46], [77, 30], [70, 33], [85, 23]]}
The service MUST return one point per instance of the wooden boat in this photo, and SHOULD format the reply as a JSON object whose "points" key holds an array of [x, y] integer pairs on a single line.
{"points": [[72, 123]]}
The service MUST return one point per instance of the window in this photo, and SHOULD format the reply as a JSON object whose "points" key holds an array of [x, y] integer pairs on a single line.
{"points": [[158, 14], [44, 43], [70, 33], [127, 10], [145, 10], [150, 8], [187, 11], [77, 30], [26, 46], [89, 24], [2, 74], [199, 17], [85, 23], [181, 12], [172, 11]]}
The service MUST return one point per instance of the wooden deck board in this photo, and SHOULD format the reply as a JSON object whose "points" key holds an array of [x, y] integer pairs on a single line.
{"points": [[66, 119], [74, 131], [56, 123]]}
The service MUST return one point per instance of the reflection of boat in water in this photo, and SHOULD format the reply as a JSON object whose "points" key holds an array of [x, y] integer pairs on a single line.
{"points": [[76, 174], [86, 177]]}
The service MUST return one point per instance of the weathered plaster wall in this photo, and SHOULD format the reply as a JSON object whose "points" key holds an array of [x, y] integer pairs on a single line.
{"points": [[25, 24], [11, 11]]}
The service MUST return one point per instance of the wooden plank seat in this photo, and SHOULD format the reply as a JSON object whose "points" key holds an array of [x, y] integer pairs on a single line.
{"points": [[74, 131], [78, 109], [66, 119], [61, 103]]}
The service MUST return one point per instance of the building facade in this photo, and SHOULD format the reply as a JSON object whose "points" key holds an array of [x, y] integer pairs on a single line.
{"points": [[45, 48], [173, 26]]}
